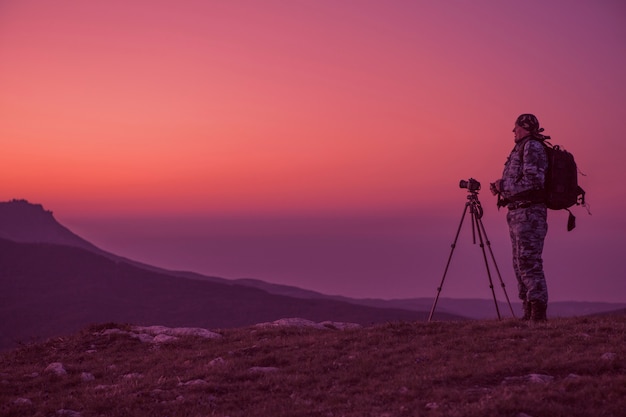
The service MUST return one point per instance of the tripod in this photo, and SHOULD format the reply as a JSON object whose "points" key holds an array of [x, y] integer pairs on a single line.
{"points": [[476, 211]]}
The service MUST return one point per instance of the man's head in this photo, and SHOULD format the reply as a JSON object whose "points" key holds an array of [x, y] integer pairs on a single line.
{"points": [[525, 125]]}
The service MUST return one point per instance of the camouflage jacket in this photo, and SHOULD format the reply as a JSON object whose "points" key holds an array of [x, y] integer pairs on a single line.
{"points": [[524, 171]]}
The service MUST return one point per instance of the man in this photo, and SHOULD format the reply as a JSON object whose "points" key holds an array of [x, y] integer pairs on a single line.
{"points": [[521, 190]]}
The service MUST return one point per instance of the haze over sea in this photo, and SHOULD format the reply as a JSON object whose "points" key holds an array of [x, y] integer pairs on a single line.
{"points": [[316, 144]]}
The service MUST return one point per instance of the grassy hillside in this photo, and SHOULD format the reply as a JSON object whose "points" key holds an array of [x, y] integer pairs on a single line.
{"points": [[567, 367]]}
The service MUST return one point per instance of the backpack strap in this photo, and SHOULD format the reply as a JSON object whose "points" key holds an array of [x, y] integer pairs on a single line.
{"points": [[534, 196]]}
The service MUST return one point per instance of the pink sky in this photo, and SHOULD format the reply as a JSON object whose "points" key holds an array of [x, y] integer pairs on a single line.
{"points": [[158, 130]]}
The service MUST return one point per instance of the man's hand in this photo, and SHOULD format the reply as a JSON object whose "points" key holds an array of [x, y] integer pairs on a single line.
{"points": [[496, 187]]}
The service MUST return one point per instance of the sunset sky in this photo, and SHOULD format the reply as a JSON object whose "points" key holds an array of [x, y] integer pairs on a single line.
{"points": [[314, 143]]}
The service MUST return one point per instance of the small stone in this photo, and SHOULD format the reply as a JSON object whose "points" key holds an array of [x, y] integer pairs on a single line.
{"points": [[56, 368], [23, 401], [432, 406], [538, 378], [217, 362], [86, 376], [193, 382], [608, 356]]}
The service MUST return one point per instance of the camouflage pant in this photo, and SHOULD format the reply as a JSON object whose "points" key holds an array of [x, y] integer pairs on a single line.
{"points": [[528, 228]]}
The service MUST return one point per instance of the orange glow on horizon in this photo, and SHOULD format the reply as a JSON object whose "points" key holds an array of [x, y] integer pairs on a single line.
{"points": [[284, 107]]}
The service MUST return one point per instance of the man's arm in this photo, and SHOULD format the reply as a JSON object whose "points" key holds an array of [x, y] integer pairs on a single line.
{"points": [[534, 163]]}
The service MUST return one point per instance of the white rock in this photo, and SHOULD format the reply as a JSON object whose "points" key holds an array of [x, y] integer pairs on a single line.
{"points": [[193, 382], [109, 332], [153, 330], [177, 331], [542, 379], [162, 334], [56, 368], [217, 362], [163, 338], [86, 376], [300, 322]]}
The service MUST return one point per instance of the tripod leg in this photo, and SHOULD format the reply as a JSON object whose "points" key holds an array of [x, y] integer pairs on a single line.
{"points": [[493, 259], [456, 238], [482, 246]]}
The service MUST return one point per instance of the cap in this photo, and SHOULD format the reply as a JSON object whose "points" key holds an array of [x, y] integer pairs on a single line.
{"points": [[529, 122]]}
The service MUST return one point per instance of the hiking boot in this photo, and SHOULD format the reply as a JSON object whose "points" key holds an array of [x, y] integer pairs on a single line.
{"points": [[538, 310], [527, 310]]}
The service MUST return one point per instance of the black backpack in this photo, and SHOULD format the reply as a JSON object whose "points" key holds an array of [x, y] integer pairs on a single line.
{"points": [[562, 189], [561, 183]]}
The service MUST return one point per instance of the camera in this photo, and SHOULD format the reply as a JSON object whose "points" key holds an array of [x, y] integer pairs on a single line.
{"points": [[471, 184]]}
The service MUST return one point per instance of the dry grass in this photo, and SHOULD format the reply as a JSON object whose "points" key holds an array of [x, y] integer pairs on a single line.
{"points": [[397, 369]]}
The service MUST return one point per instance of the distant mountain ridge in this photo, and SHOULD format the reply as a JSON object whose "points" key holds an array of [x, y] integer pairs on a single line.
{"points": [[48, 290], [58, 283], [467, 307]]}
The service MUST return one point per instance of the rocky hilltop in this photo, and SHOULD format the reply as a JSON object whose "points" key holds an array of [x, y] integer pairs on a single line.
{"points": [[21, 221]]}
